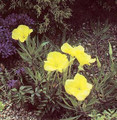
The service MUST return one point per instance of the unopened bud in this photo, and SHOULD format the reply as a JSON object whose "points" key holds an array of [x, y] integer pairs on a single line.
{"points": [[110, 49], [98, 62]]}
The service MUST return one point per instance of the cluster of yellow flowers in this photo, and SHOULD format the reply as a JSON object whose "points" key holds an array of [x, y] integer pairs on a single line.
{"points": [[56, 61], [78, 53], [21, 33]]}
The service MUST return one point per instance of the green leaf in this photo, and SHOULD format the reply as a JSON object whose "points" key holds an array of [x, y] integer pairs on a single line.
{"points": [[65, 106], [23, 56], [14, 90], [66, 102], [64, 36], [87, 34], [44, 43], [1, 106], [72, 100], [92, 101], [80, 68]]}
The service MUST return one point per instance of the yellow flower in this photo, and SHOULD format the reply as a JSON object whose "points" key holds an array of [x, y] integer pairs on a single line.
{"points": [[79, 53], [84, 58], [66, 48], [56, 62], [78, 87], [21, 33]]}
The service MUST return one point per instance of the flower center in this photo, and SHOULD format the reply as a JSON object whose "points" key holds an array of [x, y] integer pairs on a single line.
{"points": [[79, 88]]}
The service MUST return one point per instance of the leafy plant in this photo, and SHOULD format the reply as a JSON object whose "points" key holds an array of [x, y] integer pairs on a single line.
{"points": [[43, 90], [97, 34], [31, 52], [20, 96], [109, 114]]}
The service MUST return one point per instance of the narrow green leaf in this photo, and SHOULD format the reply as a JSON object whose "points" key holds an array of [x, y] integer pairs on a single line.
{"points": [[65, 106], [98, 62], [110, 49]]}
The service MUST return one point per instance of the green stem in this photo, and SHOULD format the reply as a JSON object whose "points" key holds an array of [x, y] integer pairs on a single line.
{"points": [[69, 71]]}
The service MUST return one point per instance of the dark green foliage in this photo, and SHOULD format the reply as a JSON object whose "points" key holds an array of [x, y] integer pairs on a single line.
{"points": [[105, 115]]}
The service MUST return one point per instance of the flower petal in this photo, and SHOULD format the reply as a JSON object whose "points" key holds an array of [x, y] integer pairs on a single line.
{"points": [[70, 86], [81, 95], [66, 48], [84, 59], [48, 66], [80, 81], [15, 34]]}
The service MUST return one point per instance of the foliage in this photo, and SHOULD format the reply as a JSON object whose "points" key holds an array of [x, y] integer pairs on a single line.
{"points": [[48, 13], [105, 115], [44, 92], [97, 33], [103, 95]]}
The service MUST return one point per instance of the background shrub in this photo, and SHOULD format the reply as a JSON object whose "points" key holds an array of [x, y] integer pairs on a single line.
{"points": [[46, 12]]}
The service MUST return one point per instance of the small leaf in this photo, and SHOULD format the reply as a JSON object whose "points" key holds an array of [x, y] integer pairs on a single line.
{"points": [[65, 106], [1, 106], [80, 68]]}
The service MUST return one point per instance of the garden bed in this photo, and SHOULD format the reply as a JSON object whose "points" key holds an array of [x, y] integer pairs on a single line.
{"points": [[66, 71]]}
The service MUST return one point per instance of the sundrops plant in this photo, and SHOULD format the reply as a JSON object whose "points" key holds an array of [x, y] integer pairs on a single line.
{"points": [[47, 78], [49, 83], [78, 87]]}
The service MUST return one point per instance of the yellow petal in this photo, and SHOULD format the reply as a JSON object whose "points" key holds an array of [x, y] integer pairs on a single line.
{"points": [[81, 95], [70, 87], [66, 48], [84, 59], [23, 37], [15, 34], [92, 60], [78, 50], [49, 66], [89, 86], [80, 81]]}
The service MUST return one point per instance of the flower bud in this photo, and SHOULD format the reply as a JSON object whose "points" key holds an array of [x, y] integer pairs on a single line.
{"points": [[98, 62]]}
